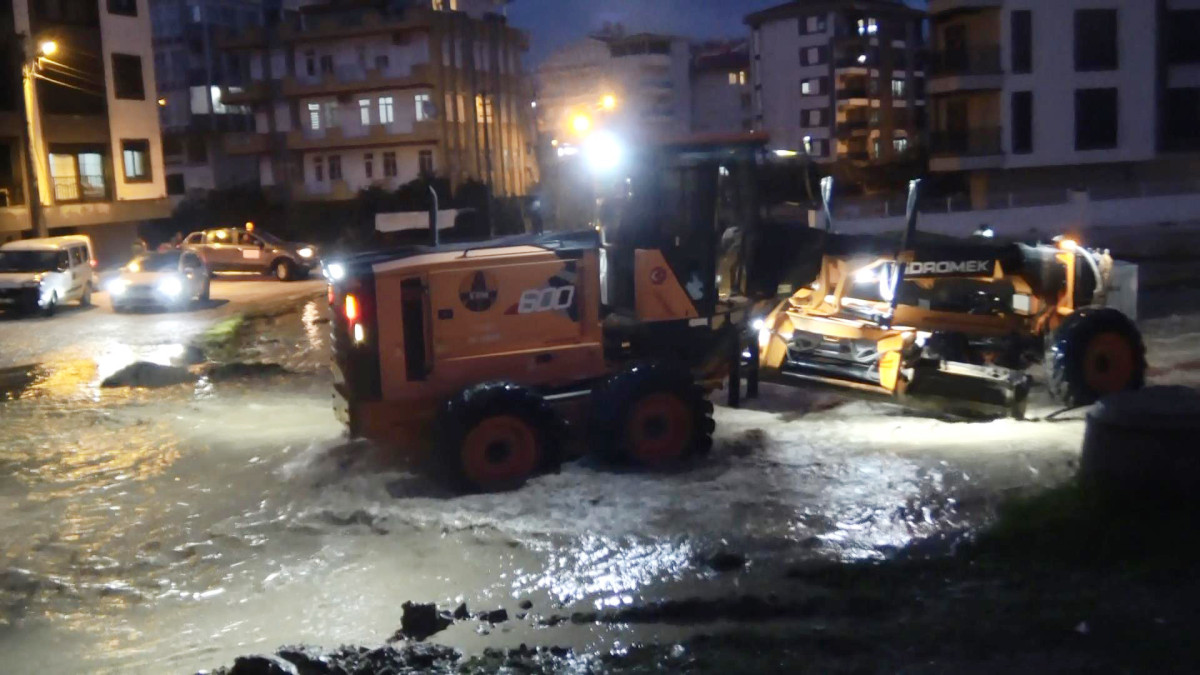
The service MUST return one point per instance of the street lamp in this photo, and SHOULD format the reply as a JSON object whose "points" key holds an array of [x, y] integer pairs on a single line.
{"points": [[48, 48], [581, 123], [609, 102]]}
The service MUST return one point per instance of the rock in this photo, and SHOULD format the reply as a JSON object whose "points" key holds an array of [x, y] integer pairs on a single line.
{"points": [[146, 374], [495, 616], [461, 612], [419, 621], [261, 664], [236, 371], [526, 604], [191, 356], [521, 616], [308, 661], [726, 561]]}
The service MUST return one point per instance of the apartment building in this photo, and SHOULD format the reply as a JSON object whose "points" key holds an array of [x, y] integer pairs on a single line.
{"points": [[639, 84], [358, 93], [192, 73], [842, 81], [1029, 95], [721, 93], [97, 152]]}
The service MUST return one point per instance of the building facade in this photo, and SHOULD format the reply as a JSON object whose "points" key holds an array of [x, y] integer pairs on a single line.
{"points": [[1074, 94], [192, 72], [722, 96], [352, 94], [638, 84], [840, 80], [94, 129]]}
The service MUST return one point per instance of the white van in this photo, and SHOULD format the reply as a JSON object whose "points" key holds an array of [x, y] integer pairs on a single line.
{"points": [[38, 275]]}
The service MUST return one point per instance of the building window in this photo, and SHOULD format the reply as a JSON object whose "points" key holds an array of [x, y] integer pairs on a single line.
{"points": [[175, 184], [1182, 28], [898, 88], [389, 165], [813, 24], [327, 64], [1022, 122], [310, 63], [1096, 117], [425, 162], [127, 77], [1095, 39], [364, 111], [1022, 41], [874, 117], [382, 62], [745, 101], [810, 87], [732, 79], [124, 7], [369, 165], [319, 169], [900, 145], [812, 56], [814, 118], [335, 167], [387, 112], [877, 148], [742, 77], [424, 107], [873, 87], [314, 116], [136, 156]]}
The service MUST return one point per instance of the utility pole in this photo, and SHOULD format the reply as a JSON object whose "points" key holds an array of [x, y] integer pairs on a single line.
{"points": [[29, 112]]}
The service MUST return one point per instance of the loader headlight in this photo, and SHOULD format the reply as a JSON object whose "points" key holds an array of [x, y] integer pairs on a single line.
{"points": [[335, 271], [867, 276], [603, 152], [117, 287], [305, 252]]}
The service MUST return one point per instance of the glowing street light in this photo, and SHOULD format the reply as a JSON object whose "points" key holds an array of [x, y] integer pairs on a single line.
{"points": [[581, 123], [609, 102], [48, 48]]}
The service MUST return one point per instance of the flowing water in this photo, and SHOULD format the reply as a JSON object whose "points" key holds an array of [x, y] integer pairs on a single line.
{"points": [[169, 530]]}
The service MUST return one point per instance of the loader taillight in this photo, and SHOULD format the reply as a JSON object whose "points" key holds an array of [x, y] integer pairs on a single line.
{"points": [[350, 308], [332, 295]]}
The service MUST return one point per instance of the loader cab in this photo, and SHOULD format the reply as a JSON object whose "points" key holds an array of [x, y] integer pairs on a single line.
{"points": [[672, 226]]}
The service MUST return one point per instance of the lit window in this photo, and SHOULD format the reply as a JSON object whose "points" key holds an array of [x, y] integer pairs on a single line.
{"points": [[898, 88], [806, 87], [733, 78], [872, 27], [137, 160], [387, 112], [424, 105], [741, 77], [314, 116], [900, 145], [364, 111]]}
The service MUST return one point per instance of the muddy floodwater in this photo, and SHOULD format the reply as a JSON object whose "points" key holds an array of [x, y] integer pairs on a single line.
{"points": [[170, 530]]}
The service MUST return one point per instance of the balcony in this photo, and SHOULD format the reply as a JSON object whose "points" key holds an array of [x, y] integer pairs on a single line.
{"points": [[966, 70], [76, 189], [939, 7], [852, 128], [321, 139], [854, 96], [979, 148], [353, 81]]}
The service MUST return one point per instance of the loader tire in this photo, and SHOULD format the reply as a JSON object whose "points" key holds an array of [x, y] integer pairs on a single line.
{"points": [[493, 436], [651, 414], [1095, 352]]}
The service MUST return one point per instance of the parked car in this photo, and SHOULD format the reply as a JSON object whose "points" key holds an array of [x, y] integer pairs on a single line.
{"points": [[170, 279], [37, 275], [231, 249]]}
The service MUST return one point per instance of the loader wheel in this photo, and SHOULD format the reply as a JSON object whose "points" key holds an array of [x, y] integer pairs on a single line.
{"points": [[1095, 352], [651, 414], [494, 436]]}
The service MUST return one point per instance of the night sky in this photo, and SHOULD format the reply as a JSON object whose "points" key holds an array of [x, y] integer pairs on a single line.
{"points": [[554, 23]]}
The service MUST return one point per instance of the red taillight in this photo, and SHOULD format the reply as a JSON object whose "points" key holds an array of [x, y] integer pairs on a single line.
{"points": [[351, 308], [332, 295], [92, 262]]}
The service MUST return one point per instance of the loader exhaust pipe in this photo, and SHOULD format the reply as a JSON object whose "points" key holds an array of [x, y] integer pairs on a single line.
{"points": [[826, 200], [908, 239]]}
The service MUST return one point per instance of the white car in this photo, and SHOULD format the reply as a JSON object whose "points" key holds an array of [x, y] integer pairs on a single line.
{"points": [[38, 275], [169, 279]]}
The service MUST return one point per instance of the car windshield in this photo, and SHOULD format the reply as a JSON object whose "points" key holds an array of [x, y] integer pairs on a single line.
{"points": [[156, 262], [28, 261]]}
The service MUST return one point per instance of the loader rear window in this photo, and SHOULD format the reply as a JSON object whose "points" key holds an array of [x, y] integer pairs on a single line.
{"points": [[412, 299]]}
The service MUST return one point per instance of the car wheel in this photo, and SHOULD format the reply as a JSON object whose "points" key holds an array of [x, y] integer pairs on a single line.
{"points": [[652, 414], [51, 304], [494, 436], [205, 291], [85, 300], [1095, 352], [285, 270]]}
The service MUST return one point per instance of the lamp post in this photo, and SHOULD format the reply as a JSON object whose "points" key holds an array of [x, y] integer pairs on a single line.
{"points": [[31, 112]]}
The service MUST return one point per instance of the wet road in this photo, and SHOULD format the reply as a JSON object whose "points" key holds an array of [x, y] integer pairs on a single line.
{"points": [[169, 530]]}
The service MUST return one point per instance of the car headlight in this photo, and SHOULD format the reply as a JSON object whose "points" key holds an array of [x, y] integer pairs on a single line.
{"points": [[117, 287], [170, 287], [305, 252]]}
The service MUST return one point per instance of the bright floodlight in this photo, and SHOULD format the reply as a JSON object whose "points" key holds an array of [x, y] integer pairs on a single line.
{"points": [[608, 102], [581, 123], [603, 151], [48, 48]]}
